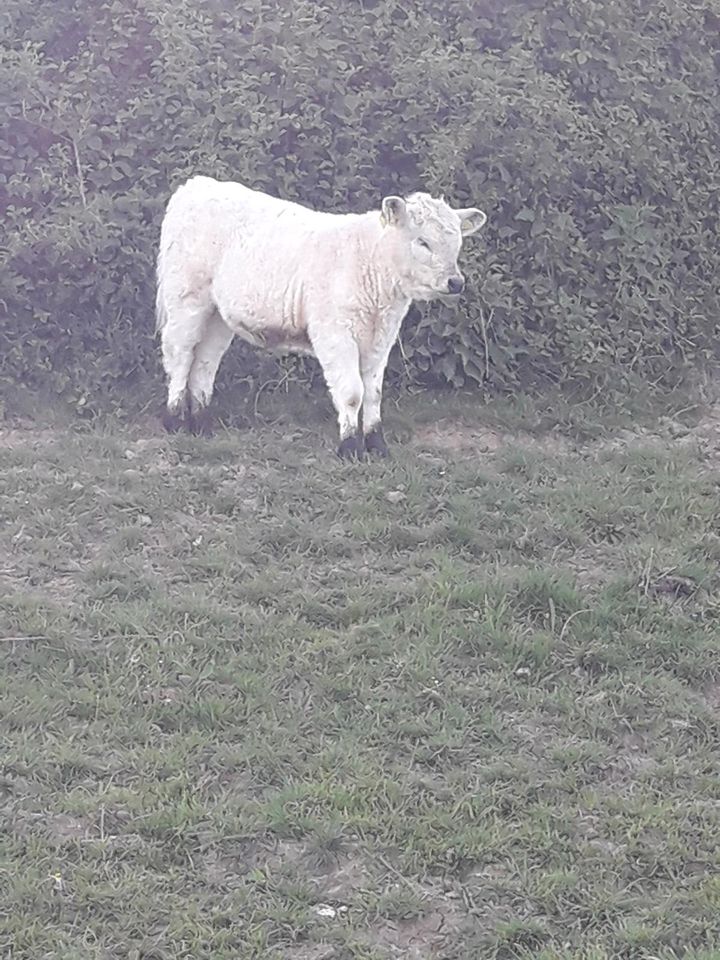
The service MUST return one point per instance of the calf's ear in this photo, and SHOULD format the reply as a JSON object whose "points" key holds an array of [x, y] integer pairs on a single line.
{"points": [[393, 210], [471, 220]]}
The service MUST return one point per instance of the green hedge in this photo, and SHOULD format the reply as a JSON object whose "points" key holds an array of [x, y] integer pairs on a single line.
{"points": [[587, 129]]}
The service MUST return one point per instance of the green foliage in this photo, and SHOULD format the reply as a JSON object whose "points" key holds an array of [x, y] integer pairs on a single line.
{"points": [[585, 129]]}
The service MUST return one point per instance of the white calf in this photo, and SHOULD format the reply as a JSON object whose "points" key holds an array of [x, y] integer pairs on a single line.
{"points": [[336, 286]]}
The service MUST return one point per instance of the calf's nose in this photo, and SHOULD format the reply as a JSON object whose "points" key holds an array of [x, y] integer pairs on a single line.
{"points": [[456, 284]]}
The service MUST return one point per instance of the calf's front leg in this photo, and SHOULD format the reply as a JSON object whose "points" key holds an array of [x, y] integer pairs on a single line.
{"points": [[373, 374]]}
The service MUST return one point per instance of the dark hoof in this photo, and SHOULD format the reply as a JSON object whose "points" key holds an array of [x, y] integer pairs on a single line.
{"points": [[176, 417], [375, 443], [173, 421], [351, 448], [201, 423]]}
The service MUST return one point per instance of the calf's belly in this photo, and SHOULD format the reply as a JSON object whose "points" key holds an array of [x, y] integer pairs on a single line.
{"points": [[262, 308], [275, 339]]}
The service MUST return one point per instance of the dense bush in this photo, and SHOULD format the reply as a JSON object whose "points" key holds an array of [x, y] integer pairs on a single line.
{"points": [[586, 128]]}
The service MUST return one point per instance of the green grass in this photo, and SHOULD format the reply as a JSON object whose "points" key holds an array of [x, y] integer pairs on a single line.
{"points": [[252, 707]]}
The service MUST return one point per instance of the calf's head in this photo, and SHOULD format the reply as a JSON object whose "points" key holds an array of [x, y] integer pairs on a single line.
{"points": [[426, 236]]}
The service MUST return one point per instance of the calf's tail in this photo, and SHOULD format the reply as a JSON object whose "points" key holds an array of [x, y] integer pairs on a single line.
{"points": [[160, 309]]}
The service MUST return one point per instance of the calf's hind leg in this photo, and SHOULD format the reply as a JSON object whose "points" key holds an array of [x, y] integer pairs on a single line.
{"points": [[216, 338], [340, 362], [181, 334]]}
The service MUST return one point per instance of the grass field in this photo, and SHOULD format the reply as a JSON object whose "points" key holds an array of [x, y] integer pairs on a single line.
{"points": [[260, 703]]}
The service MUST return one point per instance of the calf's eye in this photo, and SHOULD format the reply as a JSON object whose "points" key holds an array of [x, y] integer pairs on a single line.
{"points": [[423, 243]]}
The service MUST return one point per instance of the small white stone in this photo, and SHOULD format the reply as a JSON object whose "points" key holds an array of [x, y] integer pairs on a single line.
{"points": [[325, 910]]}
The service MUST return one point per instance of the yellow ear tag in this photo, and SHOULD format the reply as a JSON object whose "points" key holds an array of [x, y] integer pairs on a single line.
{"points": [[383, 221]]}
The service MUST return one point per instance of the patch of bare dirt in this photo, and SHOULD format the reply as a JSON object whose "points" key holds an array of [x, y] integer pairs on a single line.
{"points": [[14, 438], [711, 693], [669, 432], [417, 939], [454, 436], [336, 877], [340, 880], [317, 951], [62, 827], [708, 426], [706, 436], [592, 565], [151, 455], [453, 914], [58, 588], [149, 425], [632, 759]]}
